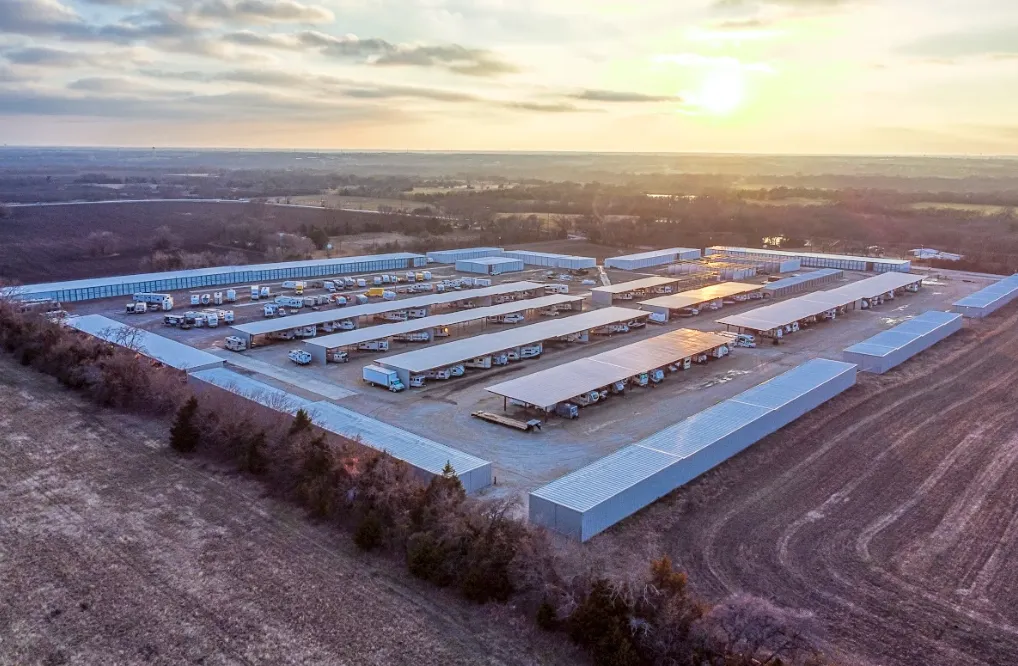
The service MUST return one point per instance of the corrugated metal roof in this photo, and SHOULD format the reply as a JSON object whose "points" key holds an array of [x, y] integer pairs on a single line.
{"points": [[806, 255], [793, 384], [682, 252], [450, 353], [706, 294], [416, 450], [254, 390], [491, 261], [196, 272], [560, 383], [168, 352], [633, 285], [781, 314], [703, 429], [889, 341], [335, 314], [450, 256], [413, 325], [794, 280], [988, 295]]}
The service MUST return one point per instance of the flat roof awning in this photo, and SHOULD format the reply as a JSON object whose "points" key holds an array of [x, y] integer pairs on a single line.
{"points": [[450, 353], [335, 314], [357, 336], [633, 285], [693, 297], [166, 351], [548, 388]]}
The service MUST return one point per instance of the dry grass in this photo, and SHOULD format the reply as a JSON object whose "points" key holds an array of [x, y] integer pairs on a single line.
{"points": [[985, 209], [332, 200]]}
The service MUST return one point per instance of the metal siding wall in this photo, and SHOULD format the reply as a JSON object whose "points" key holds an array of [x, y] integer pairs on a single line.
{"points": [[600, 298], [626, 503]]}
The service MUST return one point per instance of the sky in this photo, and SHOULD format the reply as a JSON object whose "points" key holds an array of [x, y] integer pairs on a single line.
{"points": [[743, 76]]}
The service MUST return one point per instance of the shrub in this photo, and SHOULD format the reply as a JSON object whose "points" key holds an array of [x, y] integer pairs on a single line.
{"points": [[301, 422], [547, 618], [184, 435], [368, 535]]}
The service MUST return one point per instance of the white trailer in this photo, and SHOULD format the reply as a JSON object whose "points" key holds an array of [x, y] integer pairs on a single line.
{"points": [[514, 318], [234, 343], [374, 345], [556, 288], [482, 362], [300, 357]]}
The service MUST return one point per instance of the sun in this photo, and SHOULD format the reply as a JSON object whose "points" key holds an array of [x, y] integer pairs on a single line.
{"points": [[721, 92]]}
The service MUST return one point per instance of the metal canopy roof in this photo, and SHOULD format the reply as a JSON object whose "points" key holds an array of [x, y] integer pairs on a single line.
{"points": [[254, 390], [554, 385], [803, 278], [215, 270], [774, 316], [653, 254], [335, 314], [889, 341], [988, 295], [807, 255], [347, 338], [458, 351], [491, 261], [706, 294], [168, 352], [633, 285]]}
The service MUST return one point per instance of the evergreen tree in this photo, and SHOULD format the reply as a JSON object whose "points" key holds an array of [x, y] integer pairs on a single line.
{"points": [[184, 434], [253, 459], [301, 422]]}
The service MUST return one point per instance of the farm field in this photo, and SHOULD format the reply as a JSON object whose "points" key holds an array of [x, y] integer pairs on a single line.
{"points": [[114, 549], [888, 513], [985, 209], [332, 200]]}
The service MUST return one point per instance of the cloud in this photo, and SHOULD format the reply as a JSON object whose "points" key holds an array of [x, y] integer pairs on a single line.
{"points": [[544, 108], [455, 58], [44, 56], [801, 4], [263, 11], [37, 17], [621, 96], [741, 24], [990, 42]]}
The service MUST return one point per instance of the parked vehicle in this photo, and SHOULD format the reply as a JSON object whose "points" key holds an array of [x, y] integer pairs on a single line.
{"points": [[417, 381], [442, 374], [206, 299], [395, 315], [212, 321], [548, 312], [441, 331], [588, 398], [231, 295], [234, 343], [306, 331], [636, 323], [266, 292], [329, 285], [339, 357], [195, 299], [374, 345], [378, 376], [641, 379], [284, 335], [417, 313], [375, 292], [657, 375], [162, 302], [255, 292], [416, 336], [172, 320], [500, 359], [556, 289], [457, 370], [482, 362], [619, 387], [658, 318], [567, 410], [270, 310], [217, 298], [362, 283], [531, 351], [611, 329], [514, 318], [339, 300]]}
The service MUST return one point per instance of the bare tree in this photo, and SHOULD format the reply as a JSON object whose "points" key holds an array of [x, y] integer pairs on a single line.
{"points": [[164, 239], [102, 243], [755, 629]]}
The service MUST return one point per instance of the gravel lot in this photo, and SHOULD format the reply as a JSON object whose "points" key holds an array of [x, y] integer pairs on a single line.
{"points": [[115, 551]]}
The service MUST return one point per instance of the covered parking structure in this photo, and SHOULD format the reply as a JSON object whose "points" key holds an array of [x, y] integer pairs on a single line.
{"points": [[694, 298], [775, 320], [546, 389], [322, 347], [989, 299], [484, 297], [800, 283], [892, 347], [627, 291], [482, 348], [168, 352], [593, 498], [127, 285]]}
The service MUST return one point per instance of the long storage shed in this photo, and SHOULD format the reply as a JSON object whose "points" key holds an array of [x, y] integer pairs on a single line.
{"points": [[601, 296], [547, 388], [593, 498], [695, 297], [168, 352], [989, 299], [321, 346], [459, 351], [489, 265], [452, 256], [818, 260], [425, 457], [549, 260], [269, 326], [799, 283], [779, 315], [634, 262], [892, 347], [126, 285]]}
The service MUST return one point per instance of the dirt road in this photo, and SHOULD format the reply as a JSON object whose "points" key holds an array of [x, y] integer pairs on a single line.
{"points": [[889, 513], [115, 551]]}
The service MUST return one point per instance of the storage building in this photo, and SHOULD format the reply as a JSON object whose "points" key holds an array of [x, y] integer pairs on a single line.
{"points": [[892, 347], [489, 265], [452, 256], [988, 300], [634, 262], [816, 260], [128, 285], [563, 261], [634, 289], [168, 352], [592, 499], [800, 283]]}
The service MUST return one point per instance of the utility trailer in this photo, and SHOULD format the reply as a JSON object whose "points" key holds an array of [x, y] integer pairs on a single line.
{"points": [[525, 426]]}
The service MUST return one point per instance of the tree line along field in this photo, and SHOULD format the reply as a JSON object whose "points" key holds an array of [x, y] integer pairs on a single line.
{"points": [[888, 514]]}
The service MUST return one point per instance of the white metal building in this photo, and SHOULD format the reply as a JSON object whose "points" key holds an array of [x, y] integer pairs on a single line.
{"points": [[482, 296], [269, 397], [602, 296], [892, 347], [451, 353], [168, 352], [127, 285], [816, 260], [548, 260], [695, 297], [320, 347], [634, 262], [489, 265], [452, 256], [547, 388], [804, 282], [593, 498], [989, 299]]}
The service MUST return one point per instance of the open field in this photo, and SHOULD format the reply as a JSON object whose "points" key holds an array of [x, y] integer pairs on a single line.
{"points": [[115, 550], [792, 201], [331, 200], [888, 512], [985, 209]]}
